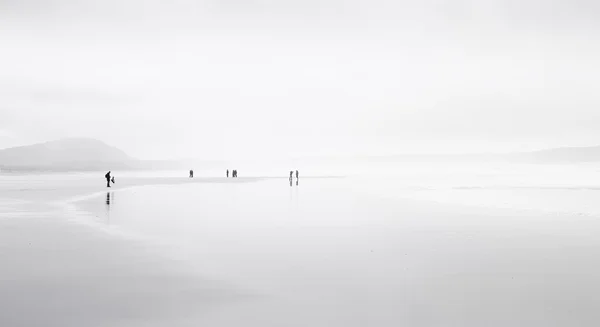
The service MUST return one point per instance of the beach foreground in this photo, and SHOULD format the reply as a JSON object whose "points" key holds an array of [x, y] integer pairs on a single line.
{"points": [[263, 253]]}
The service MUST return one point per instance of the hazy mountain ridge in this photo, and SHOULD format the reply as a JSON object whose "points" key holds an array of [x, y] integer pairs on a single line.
{"points": [[63, 152], [564, 154], [85, 154], [554, 155], [82, 154]]}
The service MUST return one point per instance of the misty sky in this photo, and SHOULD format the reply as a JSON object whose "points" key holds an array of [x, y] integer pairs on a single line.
{"points": [[227, 79]]}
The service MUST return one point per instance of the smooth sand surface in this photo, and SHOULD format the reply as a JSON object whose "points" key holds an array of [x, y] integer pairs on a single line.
{"points": [[58, 272], [266, 254]]}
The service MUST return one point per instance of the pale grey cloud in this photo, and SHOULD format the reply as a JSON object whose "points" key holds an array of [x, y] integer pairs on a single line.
{"points": [[228, 78]]}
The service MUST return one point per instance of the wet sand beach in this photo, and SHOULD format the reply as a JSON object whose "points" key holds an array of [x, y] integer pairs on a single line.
{"points": [[257, 252]]}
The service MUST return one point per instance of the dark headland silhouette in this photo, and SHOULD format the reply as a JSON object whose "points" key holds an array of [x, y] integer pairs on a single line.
{"points": [[83, 154], [71, 153]]}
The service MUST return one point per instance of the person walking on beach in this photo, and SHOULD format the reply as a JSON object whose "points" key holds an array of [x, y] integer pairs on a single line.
{"points": [[296, 174], [291, 175], [107, 176], [191, 173], [227, 173]]}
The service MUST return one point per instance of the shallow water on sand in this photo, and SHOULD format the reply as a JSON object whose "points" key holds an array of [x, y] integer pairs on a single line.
{"points": [[165, 250], [324, 253]]}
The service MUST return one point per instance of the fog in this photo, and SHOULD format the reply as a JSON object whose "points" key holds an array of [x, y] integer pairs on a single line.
{"points": [[235, 79], [386, 155]]}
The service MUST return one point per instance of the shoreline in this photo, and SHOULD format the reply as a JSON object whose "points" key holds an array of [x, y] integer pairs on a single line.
{"points": [[158, 181]]}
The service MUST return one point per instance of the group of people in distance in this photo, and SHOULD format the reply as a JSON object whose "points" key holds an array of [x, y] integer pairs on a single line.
{"points": [[233, 173], [110, 179]]}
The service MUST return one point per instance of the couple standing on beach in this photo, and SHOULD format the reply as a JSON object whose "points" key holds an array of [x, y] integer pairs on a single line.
{"points": [[292, 177]]}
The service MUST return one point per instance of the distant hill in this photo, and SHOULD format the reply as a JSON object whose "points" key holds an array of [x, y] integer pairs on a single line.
{"points": [[85, 154], [71, 153], [554, 155], [565, 154]]}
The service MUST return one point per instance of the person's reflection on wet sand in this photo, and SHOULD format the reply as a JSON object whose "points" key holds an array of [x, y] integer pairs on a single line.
{"points": [[108, 200], [296, 182], [290, 183]]}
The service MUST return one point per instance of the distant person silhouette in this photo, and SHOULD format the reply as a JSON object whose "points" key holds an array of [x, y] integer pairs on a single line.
{"points": [[227, 173], [107, 176], [191, 173], [291, 175], [235, 173], [296, 174]]}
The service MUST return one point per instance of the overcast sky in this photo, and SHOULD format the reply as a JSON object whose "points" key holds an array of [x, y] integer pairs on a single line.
{"points": [[233, 78]]}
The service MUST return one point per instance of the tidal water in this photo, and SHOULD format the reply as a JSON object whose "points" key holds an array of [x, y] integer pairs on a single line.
{"points": [[327, 252], [431, 245]]}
